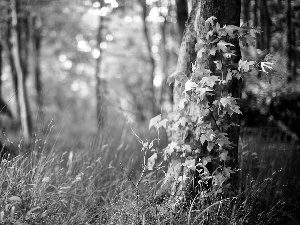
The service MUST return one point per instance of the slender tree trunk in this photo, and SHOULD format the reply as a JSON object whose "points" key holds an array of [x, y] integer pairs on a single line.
{"points": [[256, 22], [100, 82], [11, 60], [24, 107], [151, 58], [3, 106], [265, 25], [36, 40]]}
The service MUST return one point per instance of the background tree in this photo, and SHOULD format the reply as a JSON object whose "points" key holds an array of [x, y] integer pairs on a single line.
{"points": [[21, 74], [100, 85]]}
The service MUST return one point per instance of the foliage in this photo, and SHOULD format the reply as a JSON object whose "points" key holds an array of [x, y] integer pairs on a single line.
{"points": [[198, 125]]}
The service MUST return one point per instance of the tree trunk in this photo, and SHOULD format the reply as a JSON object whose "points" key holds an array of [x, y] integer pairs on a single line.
{"points": [[265, 25], [245, 11], [1, 66], [22, 94], [166, 98], [36, 40], [290, 42], [100, 82], [9, 52], [227, 12], [151, 58], [182, 15]]}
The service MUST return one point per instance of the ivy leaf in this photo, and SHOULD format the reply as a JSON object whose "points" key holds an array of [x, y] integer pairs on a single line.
{"points": [[235, 108], [230, 29], [206, 160], [177, 75], [227, 171], [228, 55], [163, 123], [218, 64], [222, 140], [229, 75], [221, 46], [172, 147], [200, 53], [208, 34], [202, 72], [225, 101], [210, 80], [202, 92], [181, 103], [218, 180], [248, 40], [212, 51], [190, 163], [210, 146], [224, 156], [189, 85], [266, 65], [182, 178], [217, 27], [244, 41], [154, 122], [151, 161], [182, 121], [244, 66], [205, 137], [210, 21]]}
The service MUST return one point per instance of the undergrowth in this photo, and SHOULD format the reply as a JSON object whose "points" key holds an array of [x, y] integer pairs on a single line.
{"points": [[47, 186]]}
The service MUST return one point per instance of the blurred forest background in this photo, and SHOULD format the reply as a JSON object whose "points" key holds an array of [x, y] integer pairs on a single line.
{"points": [[87, 76], [92, 66], [84, 77]]}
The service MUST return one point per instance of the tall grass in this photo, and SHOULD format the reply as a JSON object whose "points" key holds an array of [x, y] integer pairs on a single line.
{"points": [[98, 181]]}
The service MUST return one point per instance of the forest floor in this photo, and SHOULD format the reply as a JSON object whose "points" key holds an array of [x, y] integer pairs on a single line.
{"points": [[70, 177]]}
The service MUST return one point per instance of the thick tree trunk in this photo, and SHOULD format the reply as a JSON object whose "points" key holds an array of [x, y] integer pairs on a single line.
{"points": [[1, 66], [100, 82], [151, 57], [182, 15], [290, 42], [245, 16], [22, 94], [227, 13]]}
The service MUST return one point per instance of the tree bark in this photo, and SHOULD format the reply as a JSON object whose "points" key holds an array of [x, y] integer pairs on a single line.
{"points": [[22, 92], [265, 25], [245, 11], [227, 12], [36, 40], [164, 95], [9, 52], [290, 42], [182, 15], [151, 57], [1, 66], [100, 82]]}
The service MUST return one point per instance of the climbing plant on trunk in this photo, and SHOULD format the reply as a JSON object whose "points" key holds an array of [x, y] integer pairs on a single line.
{"points": [[204, 125]]}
